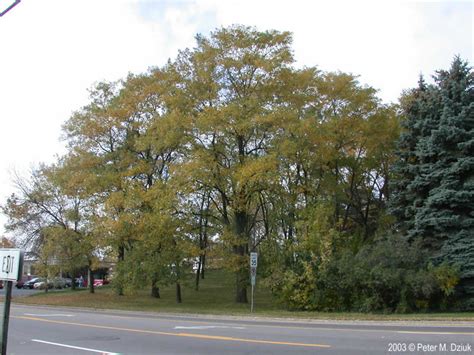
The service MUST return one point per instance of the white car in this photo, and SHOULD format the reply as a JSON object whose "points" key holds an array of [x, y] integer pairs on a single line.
{"points": [[39, 285]]}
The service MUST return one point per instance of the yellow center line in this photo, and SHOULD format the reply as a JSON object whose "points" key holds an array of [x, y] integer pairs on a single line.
{"points": [[365, 330], [189, 335], [295, 326]]}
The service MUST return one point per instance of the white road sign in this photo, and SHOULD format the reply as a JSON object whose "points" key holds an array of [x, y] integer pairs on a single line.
{"points": [[11, 264], [253, 260], [253, 267]]}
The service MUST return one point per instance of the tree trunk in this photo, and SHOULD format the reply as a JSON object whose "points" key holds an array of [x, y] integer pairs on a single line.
{"points": [[90, 280], [203, 266], [241, 221], [203, 224], [73, 281], [241, 287], [336, 198], [198, 273], [155, 290], [121, 257], [178, 293]]}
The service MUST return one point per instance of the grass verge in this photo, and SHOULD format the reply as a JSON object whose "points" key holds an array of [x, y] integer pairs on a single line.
{"points": [[215, 296]]}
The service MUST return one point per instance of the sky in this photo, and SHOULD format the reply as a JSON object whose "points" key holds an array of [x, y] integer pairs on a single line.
{"points": [[53, 51]]}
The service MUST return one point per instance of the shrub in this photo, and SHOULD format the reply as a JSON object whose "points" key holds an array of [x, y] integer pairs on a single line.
{"points": [[390, 275]]}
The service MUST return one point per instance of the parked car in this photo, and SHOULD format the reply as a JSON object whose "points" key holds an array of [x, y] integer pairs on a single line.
{"points": [[57, 282], [100, 282], [24, 279], [41, 284], [68, 282], [30, 283], [61, 282], [20, 283]]}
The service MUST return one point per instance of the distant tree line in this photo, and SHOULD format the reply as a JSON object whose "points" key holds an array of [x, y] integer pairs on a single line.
{"points": [[352, 204]]}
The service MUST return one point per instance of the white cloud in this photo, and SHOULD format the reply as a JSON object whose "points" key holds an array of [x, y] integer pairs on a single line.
{"points": [[52, 52], [387, 43]]}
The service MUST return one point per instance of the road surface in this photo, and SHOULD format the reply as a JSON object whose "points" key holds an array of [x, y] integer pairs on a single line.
{"points": [[49, 330]]}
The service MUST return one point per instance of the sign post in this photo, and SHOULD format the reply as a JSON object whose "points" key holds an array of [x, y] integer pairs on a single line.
{"points": [[11, 6], [253, 275], [11, 268]]}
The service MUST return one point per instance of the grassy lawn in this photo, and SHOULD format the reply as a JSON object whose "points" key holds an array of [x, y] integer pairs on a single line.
{"points": [[215, 296]]}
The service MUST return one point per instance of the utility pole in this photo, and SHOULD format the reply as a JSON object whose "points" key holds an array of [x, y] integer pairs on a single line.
{"points": [[3, 12]]}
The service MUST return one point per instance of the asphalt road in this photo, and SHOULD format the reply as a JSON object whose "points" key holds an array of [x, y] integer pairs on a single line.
{"points": [[20, 292], [48, 330]]}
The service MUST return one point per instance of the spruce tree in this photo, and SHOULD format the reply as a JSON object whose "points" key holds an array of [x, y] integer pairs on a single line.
{"points": [[434, 193], [415, 106], [447, 215]]}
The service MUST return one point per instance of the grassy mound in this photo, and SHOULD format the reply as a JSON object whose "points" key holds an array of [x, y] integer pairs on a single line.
{"points": [[215, 296]]}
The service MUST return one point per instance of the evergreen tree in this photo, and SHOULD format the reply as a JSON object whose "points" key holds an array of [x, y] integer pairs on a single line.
{"points": [[434, 197], [420, 112]]}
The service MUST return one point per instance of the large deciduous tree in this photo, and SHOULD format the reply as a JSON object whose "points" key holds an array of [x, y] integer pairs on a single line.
{"points": [[52, 219], [232, 82], [131, 138]]}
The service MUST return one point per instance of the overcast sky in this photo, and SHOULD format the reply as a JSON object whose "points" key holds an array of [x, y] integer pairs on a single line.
{"points": [[52, 51]]}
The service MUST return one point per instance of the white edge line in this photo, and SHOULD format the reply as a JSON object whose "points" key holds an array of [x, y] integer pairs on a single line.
{"points": [[203, 327], [74, 347], [432, 333], [49, 315]]}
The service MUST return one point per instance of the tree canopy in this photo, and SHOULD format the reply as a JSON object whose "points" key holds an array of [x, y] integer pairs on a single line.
{"points": [[434, 187], [231, 148]]}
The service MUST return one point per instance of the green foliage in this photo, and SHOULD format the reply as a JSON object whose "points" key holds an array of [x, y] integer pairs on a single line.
{"points": [[231, 85], [447, 278], [229, 149], [298, 289], [434, 193], [390, 275], [53, 220]]}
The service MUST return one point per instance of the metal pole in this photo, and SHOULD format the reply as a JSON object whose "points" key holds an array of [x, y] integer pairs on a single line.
{"points": [[6, 316], [9, 8], [251, 302]]}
